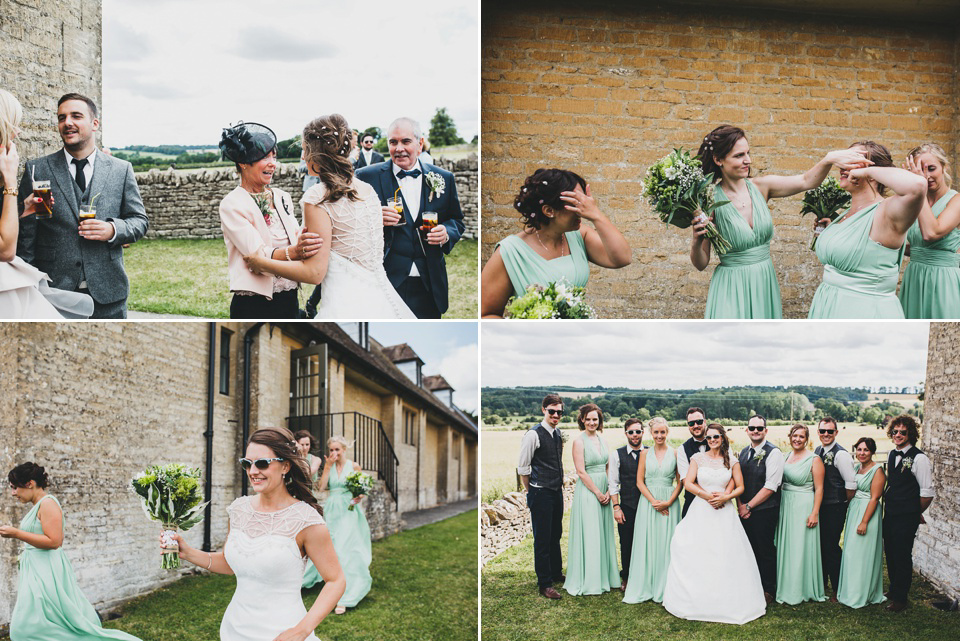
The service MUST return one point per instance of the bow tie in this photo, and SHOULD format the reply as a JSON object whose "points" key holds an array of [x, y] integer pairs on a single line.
{"points": [[413, 173], [897, 453]]}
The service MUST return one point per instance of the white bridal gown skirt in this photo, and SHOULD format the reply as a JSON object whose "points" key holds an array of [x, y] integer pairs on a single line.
{"points": [[25, 294], [351, 291]]}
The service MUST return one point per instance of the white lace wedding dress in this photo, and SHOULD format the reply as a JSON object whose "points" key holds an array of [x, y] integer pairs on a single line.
{"points": [[356, 284], [262, 550], [713, 573]]}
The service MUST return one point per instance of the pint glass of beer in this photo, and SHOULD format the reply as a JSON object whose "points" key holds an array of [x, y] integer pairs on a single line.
{"points": [[41, 189], [430, 220], [87, 212]]}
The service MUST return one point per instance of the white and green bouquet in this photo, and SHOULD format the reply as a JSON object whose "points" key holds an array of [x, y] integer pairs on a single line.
{"points": [[680, 194], [825, 201], [171, 494], [559, 299], [359, 484]]}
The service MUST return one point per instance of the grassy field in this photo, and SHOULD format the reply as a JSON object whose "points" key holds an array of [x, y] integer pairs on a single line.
{"points": [[424, 587], [189, 277], [498, 461], [512, 609]]}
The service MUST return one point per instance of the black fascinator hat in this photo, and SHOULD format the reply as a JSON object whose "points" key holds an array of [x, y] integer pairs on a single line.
{"points": [[247, 142]]}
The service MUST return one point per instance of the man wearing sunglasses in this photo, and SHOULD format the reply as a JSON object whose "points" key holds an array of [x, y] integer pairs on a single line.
{"points": [[541, 473], [908, 494], [838, 478], [696, 443], [761, 464], [622, 481]]}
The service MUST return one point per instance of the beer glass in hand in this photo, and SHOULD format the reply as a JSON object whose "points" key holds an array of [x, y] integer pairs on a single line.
{"points": [[397, 204], [430, 220], [87, 212], [42, 190]]}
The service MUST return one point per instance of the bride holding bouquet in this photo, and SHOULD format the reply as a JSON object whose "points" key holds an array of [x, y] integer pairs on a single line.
{"points": [[553, 245]]}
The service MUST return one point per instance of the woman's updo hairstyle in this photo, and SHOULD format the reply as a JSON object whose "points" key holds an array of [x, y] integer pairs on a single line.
{"points": [[937, 152], [11, 113], [281, 441], [327, 142], [718, 144], [544, 188], [878, 155], [26, 472]]}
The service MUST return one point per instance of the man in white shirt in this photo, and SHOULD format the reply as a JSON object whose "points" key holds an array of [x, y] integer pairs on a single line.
{"points": [[838, 477], [696, 422], [624, 494], [367, 155]]}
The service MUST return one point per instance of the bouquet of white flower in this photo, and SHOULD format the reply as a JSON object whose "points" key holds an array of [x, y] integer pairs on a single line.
{"points": [[681, 194], [359, 484], [172, 495], [825, 201], [557, 300]]}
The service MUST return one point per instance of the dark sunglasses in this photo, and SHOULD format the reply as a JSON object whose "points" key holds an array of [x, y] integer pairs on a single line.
{"points": [[714, 437], [634, 431], [261, 463], [554, 412], [755, 428], [697, 422], [901, 432], [828, 431]]}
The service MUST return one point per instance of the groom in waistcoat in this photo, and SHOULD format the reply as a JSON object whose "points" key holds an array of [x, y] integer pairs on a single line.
{"points": [[761, 464], [908, 494], [624, 494], [541, 473], [415, 263], [838, 478], [696, 443], [86, 256]]}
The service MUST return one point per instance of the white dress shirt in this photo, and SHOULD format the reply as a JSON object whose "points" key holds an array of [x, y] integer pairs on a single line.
{"points": [[922, 469], [529, 445], [844, 464], [683, 464], [613, 470], [774, 466], [410, 187], [368, 156]]}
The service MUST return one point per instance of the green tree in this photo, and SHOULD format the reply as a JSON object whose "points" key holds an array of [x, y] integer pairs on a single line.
{"points": [[443, 131], [289, 148]]}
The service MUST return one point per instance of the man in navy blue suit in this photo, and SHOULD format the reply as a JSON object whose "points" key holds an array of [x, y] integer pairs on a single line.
{"points": [[414, 262]]}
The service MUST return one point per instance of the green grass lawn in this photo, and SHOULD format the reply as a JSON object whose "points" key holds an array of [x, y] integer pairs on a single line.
{"points": [[512, 609], [189, 277], [424, 588]]}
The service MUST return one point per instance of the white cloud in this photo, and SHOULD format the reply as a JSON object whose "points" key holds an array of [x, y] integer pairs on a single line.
{"points": [[459, 367]]}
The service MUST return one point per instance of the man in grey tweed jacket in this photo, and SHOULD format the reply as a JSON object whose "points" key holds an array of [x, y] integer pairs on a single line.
{"points": [[85, 257]]}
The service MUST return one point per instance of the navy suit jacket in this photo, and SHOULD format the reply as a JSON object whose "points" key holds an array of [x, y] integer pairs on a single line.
{"points": [[402, 246], [375, 157]]}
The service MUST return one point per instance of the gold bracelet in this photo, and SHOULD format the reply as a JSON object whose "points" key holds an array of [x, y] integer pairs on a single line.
{"points": [[10, 191]]}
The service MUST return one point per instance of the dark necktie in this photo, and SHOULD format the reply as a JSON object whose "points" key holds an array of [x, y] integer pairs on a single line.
{"points": [[81, 177], [634, 454], [750, 456], [403, 173]]}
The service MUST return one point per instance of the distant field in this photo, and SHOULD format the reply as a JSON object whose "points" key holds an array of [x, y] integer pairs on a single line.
{"points": [[906, 400]]}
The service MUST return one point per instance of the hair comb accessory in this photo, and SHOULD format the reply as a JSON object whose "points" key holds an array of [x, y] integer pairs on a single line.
{"points": [[545, 182]]}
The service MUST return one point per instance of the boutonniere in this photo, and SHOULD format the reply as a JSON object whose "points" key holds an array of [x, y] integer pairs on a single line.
{"points": [[760, 456], [436, 184], [907, 463], [828, 459]]}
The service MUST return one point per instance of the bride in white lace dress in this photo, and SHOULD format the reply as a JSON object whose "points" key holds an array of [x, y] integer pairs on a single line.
{"points": [[271, 536], [346, 212], [713, 573]]}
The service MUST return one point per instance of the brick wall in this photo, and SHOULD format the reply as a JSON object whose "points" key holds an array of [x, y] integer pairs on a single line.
{"points": [[606, 89]]}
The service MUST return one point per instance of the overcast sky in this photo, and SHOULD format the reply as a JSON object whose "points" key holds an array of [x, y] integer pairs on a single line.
{"points": [[448, 348], [677, 355], [178, 71]]}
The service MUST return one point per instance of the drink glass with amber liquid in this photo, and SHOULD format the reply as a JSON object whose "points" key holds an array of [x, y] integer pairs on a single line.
{"points": [[87, 212], [397, 203], [42, 190], [430, 220]]}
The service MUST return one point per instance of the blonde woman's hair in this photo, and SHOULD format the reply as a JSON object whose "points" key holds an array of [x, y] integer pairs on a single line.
{"points": [[937, 152], [341, 440], [11, 113], [658, 421], [796, 428]]}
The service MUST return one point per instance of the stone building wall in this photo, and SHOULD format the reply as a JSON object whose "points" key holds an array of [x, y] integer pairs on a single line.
{"points": [[607, 88], [937, 551], [185, 203]]}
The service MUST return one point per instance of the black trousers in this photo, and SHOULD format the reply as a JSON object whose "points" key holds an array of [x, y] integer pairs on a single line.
{"points": [[832, 518], [626, 537], [418, 298], [899, 532], [313, 301], [282, 305], [546, 515], [687, 500], [761, 529]]}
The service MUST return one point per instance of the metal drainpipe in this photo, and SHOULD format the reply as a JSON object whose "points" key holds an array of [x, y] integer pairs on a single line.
{"points": [[208, 475], [248, 337]]}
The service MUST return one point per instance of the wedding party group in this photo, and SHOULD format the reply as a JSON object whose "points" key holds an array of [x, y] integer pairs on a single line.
{"points": [[329, 545], [372, 240], [866, 221], [771, 522]]}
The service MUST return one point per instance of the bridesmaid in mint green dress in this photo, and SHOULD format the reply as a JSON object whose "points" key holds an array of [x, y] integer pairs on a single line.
{"points": [[553, 245], [592, 555], [657, 517], [862, 250], [744, 285], [348, 528], [799, 568], [50, 605], [931, 282], [861, 568]]}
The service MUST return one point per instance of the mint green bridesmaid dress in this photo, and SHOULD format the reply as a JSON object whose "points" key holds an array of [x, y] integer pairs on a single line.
{"points": [[50, 605], [592, 554], [859, 275], [744, 284], [652, 531], [351, 539], [799, 568], [931, 281], [526, 267], [861, 567]]}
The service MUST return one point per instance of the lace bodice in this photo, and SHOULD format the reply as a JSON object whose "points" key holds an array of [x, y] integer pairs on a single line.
{"points": [[712, 474], [357, 226], [286, 522]]}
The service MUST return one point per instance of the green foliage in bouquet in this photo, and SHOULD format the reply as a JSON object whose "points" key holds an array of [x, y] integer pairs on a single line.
{"points": [[358, 483], [825, 201], [557, 300], [678, 191], [171, 494]]}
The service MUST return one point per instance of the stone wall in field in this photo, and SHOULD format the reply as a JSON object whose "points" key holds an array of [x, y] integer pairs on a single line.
{"points": [[607, 88], [937, 554], [184, 203]]}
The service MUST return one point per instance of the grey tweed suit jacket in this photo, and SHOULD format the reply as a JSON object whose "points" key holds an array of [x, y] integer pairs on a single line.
{"points": [[54, 245]]}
